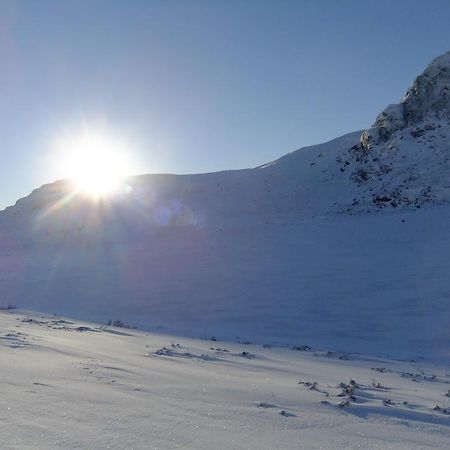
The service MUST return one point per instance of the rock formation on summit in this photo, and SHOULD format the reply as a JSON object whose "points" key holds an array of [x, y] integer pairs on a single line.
{"points": [[428, 99], [404, 159]]}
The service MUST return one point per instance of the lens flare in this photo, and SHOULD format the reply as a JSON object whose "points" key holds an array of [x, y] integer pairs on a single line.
{"points": [[95, 161]]}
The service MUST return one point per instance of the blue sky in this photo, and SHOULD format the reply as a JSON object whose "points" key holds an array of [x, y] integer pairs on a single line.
{"points": [[197, 86]]}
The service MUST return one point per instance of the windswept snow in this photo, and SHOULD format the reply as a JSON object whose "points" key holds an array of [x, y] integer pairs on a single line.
{"points": [[72, 385]]}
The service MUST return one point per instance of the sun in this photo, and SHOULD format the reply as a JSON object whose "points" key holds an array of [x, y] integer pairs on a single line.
{"points": [[95, 161]]}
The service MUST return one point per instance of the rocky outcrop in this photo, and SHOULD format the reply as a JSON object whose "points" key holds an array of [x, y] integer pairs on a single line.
{"points": [[404, 159], [429, 95], [428, 99]]}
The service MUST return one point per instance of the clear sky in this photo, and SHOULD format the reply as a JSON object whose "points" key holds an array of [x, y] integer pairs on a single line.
{"points": [[195, 86]]}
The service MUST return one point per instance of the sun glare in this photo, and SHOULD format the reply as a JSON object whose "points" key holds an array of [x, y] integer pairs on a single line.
{"points": [[95, 162]]}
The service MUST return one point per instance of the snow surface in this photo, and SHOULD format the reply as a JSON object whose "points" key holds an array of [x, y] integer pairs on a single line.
{"points": [[72, 385]]}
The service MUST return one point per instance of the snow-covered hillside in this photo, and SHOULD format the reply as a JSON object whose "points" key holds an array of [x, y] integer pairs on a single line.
{"points": [[404, 159], [342, 245], [72, 385]]}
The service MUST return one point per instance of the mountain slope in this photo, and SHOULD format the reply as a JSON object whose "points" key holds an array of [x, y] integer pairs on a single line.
{"points": [[342, 245]]}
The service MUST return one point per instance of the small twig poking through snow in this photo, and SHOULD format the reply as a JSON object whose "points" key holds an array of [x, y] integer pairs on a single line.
{"points": [[120, 324], [287, 414], [266, 405], [378, 385], [313, 386], [380, 369], [301, 348], [82, 328], [220, 350], [418, 376], [163, 352], [344, 403], [348, 391], [309, 384], [441, 409]]}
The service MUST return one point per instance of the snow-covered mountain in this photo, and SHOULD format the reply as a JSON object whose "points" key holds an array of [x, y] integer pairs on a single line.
{"points": [[342, 245]]}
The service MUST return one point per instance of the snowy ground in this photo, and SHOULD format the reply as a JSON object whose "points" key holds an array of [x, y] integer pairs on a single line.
{"points": [[99, 387]]}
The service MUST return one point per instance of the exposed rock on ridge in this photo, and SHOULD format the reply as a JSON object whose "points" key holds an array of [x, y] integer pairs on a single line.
{"points": [[404, 159], [427, 99]]}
